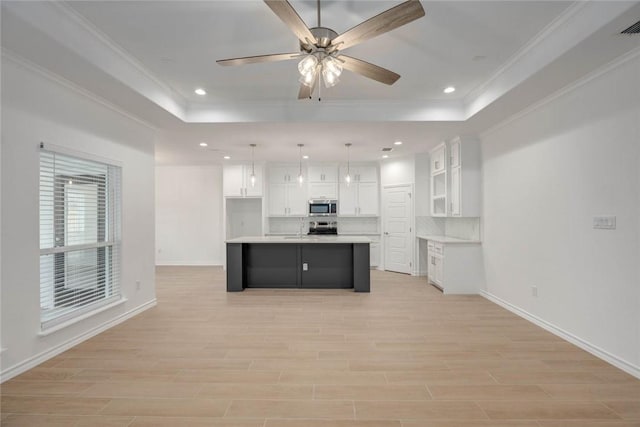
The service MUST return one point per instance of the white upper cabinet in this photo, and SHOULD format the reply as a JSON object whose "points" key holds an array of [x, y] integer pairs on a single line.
{"points": [[361, 197], [236, 181], [438, 158], [323, 181], [323, 173], [283, 174], [360, 173], [286, 196], [455, 183]]}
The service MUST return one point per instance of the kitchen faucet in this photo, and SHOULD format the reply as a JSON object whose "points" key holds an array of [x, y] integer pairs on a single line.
{"points": [[301, 226]]}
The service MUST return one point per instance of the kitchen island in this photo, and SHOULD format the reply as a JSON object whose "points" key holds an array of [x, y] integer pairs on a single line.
{"points": [[306, 262]]}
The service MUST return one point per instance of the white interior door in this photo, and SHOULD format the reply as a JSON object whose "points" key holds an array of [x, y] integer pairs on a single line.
{"points": [[398, 250]]}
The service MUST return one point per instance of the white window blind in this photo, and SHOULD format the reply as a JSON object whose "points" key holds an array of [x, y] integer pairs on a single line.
{"points": [[79, 236]]}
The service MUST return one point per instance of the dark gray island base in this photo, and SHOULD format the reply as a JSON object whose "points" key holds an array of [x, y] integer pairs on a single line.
{"points": [[303, 263]]}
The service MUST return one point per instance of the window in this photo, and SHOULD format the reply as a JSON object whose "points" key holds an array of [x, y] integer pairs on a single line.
{"points": [[79, 236]]}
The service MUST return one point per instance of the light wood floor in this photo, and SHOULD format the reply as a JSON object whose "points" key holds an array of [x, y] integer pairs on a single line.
{"points": [[403, 355]]}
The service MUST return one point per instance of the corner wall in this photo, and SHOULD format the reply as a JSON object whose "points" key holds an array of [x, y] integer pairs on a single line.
{"points": [[189, 215], [38, 107], [547, 173]]}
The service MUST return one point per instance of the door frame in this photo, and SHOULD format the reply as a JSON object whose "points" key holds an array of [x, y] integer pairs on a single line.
{"points": [[412, 227]]}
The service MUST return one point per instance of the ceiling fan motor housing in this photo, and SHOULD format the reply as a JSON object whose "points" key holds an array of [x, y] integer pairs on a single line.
{"points": [[323, 37]]}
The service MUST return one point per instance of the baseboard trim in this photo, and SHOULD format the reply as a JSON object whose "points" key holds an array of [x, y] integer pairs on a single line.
{"points": [[34, 361], [629, 368]]}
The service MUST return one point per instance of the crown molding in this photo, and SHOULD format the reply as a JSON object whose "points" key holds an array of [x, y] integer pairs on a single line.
{"points": [[7, 54], [578, 22], [62, 23], [618, 62]]}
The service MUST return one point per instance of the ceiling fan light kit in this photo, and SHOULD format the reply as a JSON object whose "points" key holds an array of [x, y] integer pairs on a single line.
{"points": [[322, 47]]}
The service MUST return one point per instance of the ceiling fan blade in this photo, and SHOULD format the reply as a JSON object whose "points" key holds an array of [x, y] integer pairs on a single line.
{"points": [[259, 58], [290, 17], [371, 71], [386, 21]]}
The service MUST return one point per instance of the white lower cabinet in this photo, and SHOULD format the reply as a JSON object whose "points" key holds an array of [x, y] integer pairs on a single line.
{"points": [[455, 268], [374, 252]]}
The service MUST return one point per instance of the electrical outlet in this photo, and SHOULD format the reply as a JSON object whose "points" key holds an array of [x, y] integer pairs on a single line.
{"points": [[137, 285], [604, 222], [534, 291]]}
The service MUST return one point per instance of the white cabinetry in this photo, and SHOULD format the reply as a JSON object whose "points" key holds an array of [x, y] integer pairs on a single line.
{"points": [[286, 196], [455, 183], [374, 252], [323, 182], [439, 180], [361, 196], [236, 181], [435, 253], [456, 267]]}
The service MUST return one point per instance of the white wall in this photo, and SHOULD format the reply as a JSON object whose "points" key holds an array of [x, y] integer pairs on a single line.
{"points": [[35, 109], [189, 215], [399, 170], [546, 174]]}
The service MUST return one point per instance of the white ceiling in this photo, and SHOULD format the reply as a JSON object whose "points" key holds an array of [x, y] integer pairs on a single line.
{"points": [[147, 57]]}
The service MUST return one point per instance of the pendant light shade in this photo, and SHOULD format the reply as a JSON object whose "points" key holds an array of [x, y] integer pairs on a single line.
{"points": [[252, 178], [300, 176], [347, 177]]}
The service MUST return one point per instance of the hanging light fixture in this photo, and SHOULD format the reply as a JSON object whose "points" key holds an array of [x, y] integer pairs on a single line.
{"points": [[252, 178], [347, 177], [320, 63], [300, 177]]}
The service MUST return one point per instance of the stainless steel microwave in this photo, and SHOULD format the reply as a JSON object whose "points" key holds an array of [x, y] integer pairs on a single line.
{"points": [[323, 207]]}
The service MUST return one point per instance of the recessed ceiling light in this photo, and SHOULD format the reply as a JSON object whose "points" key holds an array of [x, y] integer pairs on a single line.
{"points": [[305, 157], [203, 144], [384, 156], [227, 157], [397, 143], [449, 89], [200, 91]]}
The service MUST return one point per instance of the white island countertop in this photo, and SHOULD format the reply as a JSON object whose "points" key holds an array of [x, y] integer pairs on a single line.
{"points": [[446, 239], [300, 239]]}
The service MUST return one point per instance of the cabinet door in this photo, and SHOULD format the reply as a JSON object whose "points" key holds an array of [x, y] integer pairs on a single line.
{"points": [[347, 201], [253, 190], [439, 270], [431, 265], [232, 181], [374, 254], [322, 190], [455, 202], [454, 155], [278, 200], [330, 174], [367, 174], [298, 201], [315, 173], [438, 156], [368, 198], [279, 175]]}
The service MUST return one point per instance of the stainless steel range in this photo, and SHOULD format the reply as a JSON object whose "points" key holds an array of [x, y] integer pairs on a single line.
{"points": [[323, 227]]}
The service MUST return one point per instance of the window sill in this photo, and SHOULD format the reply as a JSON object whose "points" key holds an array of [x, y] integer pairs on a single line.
{"points": [[67, 323]]}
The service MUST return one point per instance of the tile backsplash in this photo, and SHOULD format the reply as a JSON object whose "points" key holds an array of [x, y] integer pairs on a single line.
{"points": [[364, 225], [462, 228]]}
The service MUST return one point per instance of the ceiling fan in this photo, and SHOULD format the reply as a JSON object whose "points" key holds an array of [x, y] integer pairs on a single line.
{"points": [[321, 47]]}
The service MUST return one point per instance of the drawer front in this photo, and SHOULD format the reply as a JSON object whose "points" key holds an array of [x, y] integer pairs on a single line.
{"points": [[438, 248]]}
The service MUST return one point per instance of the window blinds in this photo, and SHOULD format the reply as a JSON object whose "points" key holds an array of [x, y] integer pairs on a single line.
{"points": [[79, 236]]}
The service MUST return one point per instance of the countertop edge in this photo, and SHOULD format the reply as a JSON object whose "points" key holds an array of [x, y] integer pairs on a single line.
{"points": [[446, 239]]}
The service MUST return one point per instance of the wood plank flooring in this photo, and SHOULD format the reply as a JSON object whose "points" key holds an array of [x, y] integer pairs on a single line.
{"points": [[402, 356]]}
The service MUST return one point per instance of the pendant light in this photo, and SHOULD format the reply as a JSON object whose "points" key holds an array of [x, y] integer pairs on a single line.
{"points": [[252, 178], [300, 177], [347, 177]]}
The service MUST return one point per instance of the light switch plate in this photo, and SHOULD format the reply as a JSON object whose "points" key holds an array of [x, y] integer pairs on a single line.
{"points": [[604, 222]]}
